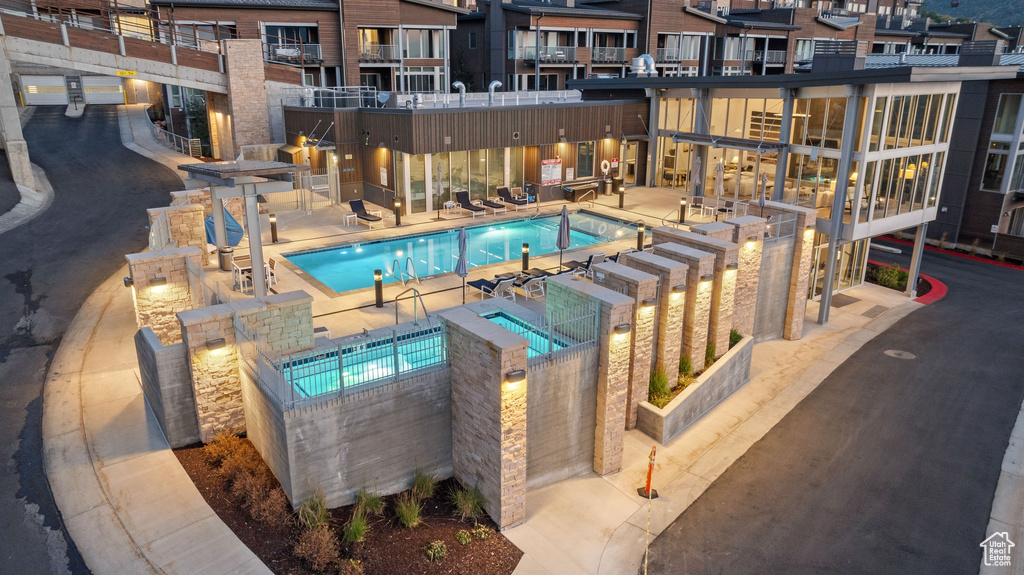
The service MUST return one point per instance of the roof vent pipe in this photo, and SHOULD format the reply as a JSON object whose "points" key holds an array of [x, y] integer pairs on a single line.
{"points": [[462, 93], [490, 92]]}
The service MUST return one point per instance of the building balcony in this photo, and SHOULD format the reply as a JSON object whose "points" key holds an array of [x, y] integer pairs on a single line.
{"points": [[608, 55], [770, 57], [378, 53], [548, 54], [668, 55], [293, 54]]}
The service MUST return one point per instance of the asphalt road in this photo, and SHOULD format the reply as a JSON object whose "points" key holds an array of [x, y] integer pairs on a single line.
{"points": [[890, 465], [48, 267], [9, 195]]}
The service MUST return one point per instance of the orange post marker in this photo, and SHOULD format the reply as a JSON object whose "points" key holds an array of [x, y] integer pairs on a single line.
{"points": [[647, 491]]}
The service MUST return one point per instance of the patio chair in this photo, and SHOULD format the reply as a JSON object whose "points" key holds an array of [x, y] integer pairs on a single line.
{"points": [[506, 196], [463, 199], [517, 193], [272, 271], [698, 204], [616, 257], [532, 286], [585, 269], [503, 288], [496, 206], [369, 218]]}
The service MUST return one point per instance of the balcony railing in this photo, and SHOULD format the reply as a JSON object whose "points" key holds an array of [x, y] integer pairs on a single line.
{"points": [[767, 56], [548, 54], [838, 13], [293, 53], [608, 55], [378, 53], [667, 55]]}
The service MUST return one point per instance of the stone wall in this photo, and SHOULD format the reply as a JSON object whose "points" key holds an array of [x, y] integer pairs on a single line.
{"points": [[165, 383], [560, 406], [185, 224], [773, 289], [748, 233], [161, 289], [201, 197], [668, 337], [800, 272], [641, 287], [283, 321], [247, 93], [488, 413], [699, 264], [730, 372]]}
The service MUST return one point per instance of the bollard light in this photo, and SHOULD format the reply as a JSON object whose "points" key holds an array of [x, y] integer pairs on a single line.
{"points": [[682, 210], [398, 212], [640, 231], [378, 288], [622, 196], [273, 228], [526, 257]]}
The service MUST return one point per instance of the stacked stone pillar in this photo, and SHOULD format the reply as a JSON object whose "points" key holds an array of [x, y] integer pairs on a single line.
{"points": [[185, 225], [642, 287], [724, 289], [803, 251], [282, 322], [700, 269], [489, 413], [161, 289], [247, 93], [671, 306], [614, 309], [748, 233]]}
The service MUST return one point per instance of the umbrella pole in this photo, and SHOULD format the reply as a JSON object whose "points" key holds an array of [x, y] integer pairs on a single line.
{"points": [[559, 260], [463, 291]]}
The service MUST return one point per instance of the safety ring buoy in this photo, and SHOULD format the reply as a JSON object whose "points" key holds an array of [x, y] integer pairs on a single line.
{"points": [[605, 166], [602, 229]]}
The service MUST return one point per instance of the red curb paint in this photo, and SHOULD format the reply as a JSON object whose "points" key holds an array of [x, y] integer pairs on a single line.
{"points": [[959, 255], [938, 291]]}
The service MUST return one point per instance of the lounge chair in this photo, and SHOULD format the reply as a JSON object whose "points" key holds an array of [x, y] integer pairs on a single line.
{"points": [[532, 285], [616, 257], [463, 199], [585, 269], [369, 218], [506, 196], [496, 206], [503, 288]]}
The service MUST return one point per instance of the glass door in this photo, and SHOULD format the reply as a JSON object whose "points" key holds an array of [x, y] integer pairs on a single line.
{"points": [[628, 164]]}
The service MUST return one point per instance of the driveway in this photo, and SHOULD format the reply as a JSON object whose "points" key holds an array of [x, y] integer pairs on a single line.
{"points": [[47, 269], [891, 464]]}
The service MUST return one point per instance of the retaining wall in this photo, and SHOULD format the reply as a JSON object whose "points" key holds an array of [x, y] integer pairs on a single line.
{"points": [[773, 289], [167, 385]]}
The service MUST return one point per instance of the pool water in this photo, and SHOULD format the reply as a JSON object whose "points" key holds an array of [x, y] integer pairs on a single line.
{"points": [[351, 267], [536, 336]]}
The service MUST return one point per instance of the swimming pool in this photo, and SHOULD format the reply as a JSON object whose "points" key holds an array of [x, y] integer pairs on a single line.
{"points": [[349, 267], [540, 341]]}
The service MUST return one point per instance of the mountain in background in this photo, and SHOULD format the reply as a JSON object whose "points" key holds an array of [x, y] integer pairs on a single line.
{"points": [[998, 12]]}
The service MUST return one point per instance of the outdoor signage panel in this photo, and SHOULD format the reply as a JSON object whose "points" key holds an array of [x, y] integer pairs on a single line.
{"points": [[551, 172]]}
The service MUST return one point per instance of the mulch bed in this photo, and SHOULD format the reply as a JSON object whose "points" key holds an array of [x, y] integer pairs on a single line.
{"points": [[388, 547]]}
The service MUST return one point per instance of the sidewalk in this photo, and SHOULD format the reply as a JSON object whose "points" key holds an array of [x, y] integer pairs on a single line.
{"points": [[137, 136], [604, 519]]}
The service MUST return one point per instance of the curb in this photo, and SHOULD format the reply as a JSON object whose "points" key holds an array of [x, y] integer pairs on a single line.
{"points": [[957, 254], [33, 202], [938, 291]]}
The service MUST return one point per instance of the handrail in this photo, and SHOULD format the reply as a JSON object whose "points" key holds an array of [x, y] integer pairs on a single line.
{"points": [[584, 196], [415, 316], [674, 223], [412, 275], [396, 271]]}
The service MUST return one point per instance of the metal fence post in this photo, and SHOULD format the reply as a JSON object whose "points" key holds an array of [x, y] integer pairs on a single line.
{"points": [[394, 351]]}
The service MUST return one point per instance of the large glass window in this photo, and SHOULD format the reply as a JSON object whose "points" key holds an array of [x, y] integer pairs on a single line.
{"points": [[495, 170], [584, 159], [417, 184], [1006, 114], [995, 166], [478, 174], [947, 118], [515, 165], [460, 171], [423, 44]]}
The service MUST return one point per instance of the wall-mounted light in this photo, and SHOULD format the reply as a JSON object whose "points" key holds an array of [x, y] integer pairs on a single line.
{"points": [[128, 281], [732, 267], [680, 289], [514, 377], [562, 140], [158, 282], [649, 303], [751, 238], [215, 344], [707, 277], [380, 145], [622, 329], [366, 141]]}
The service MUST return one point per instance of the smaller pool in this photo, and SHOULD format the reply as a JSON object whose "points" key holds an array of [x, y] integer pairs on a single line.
{"points": [[541, 342], [365, 363]]}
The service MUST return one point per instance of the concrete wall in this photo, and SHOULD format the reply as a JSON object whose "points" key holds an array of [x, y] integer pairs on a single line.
{"points": [[773, 289], [168, 389], [265, 428], [373, 440], [724, 377], [560, 405]]}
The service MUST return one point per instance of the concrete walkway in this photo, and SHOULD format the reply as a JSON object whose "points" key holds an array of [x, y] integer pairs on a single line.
{"points": [[137, 136], [604, 519]]}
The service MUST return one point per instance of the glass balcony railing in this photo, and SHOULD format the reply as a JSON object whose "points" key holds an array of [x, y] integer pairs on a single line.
{"points": [[378, 53], [612, 54], [548, 54], [293, 53]]}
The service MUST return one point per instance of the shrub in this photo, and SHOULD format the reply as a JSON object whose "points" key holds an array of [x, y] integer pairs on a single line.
{"points": [[313, 511], [370, 502], [734, 338], [469, 503], [408, 510], [272, 509], [352, 567], [481, 532], [659, 393], [463, 537], [317, 547], [943, 239], [436, 550], [223, 446], [355, 529], [709, 355], [685, 367], [889, 276], [424, 485], [259, 498]]}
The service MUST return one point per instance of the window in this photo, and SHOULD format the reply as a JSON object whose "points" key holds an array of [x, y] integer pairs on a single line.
{"points": [[585, 159], [689, 48], [423, 44], [995, 166], [1006, 114], [292, 35], [175, 96], [804, 50], [472, 40]]}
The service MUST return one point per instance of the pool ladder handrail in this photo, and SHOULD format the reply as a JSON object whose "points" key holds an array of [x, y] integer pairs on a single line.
{"points": [[415, 316], [674, 222], [396, 271], [592, 200]]}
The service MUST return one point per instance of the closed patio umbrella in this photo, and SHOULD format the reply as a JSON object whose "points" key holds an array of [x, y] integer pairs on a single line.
{"points": [[761, 200], [563, 242], [695, 174], [720, 179], [462, 265]]}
